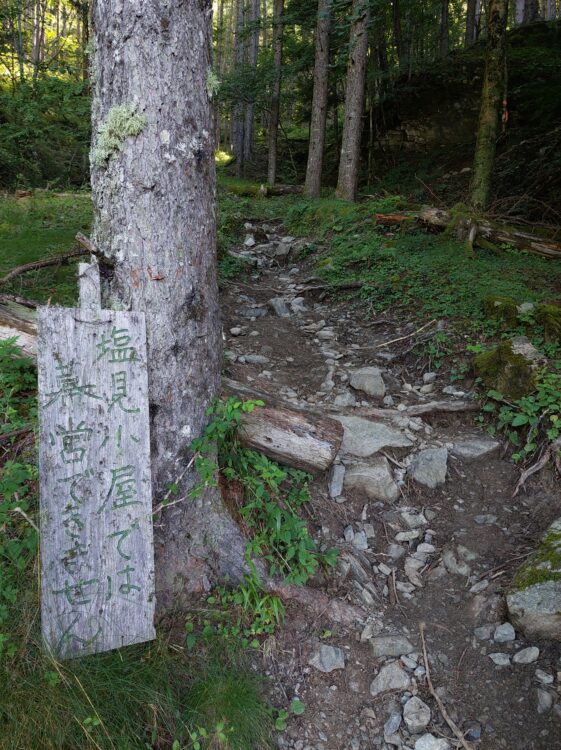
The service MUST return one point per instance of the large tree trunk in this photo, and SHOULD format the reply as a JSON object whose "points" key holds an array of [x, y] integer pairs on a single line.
{"points": [[519, 6], [312, 186], [278, 10], [470, 23], [491, 99], [444, 27], [154, 215], [354, 103], [531, 11], [252, 62], [238, 118]]}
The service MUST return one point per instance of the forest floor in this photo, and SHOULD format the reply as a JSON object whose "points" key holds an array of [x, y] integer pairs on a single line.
{"points": [[301, 314], [442, 556]]}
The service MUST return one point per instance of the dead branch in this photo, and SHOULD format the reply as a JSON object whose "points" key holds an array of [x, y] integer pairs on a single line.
{"points": [[45, 263], [408, 336], [442, 708], [553, 451]]}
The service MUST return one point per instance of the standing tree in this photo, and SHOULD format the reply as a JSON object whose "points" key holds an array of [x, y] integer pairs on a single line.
{"points": [[312, 186], [153, 182], [473, 9], [444, 28], [253, 47], [278, 10], [354, 103], [491, 99]]}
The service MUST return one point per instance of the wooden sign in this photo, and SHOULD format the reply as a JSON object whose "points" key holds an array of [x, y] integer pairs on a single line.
{"points": [[97, 549]]}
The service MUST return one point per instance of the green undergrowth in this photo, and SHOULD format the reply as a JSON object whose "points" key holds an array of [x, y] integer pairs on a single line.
{"points": [[163, 695]]}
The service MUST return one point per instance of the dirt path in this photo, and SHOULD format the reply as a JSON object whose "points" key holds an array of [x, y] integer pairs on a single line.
{"points": [[429, 537]]}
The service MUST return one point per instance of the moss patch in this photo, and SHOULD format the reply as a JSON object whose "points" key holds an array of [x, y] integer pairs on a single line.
{"points": [[500, 368], [122, 122], [545, 565], [550, 317], [502, 309]]}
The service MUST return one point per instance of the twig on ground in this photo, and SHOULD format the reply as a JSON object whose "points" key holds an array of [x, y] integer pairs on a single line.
{"points": [[15, 433], [408, 336], [441, 707]]}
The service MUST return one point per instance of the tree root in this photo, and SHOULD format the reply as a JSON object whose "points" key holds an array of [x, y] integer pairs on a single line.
{"points": [[318, 602], [553, 451]]}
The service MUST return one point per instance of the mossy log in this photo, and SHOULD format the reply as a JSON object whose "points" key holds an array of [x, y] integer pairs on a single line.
{"points": [[494, 232]]}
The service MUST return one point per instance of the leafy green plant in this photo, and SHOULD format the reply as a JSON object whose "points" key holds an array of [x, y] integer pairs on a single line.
{"points": [[532, 420], [273, 495]]}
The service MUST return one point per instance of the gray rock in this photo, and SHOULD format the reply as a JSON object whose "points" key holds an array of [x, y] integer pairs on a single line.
{"points": [[236, 331], [256, 359], [252, 312], [525, 307], [504, 633], [249, 241], [522, 345], [486, 519], [336, 479], [327, 658], [390, 677], [429, 377], [483, 633], [454, 565], [475, 448], [279, 306], [527, 655], [391, 645], [369, 380], [430, 742], [428, 467], [501, 660], [344, 399], [298, 305], [363, 437], [417, 715], [546, 678], [360, 541], [392, 724], [545, 701], [374, 479]]}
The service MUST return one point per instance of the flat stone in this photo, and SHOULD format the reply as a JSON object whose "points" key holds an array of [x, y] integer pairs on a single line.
{"points": [[501, 660], [279, 306], [363, 437], [328, 658], [474, 448], [256, 359], [483, 633], [428, 467], [546, 678], [522, 345], [454, 565], [344, 399], [252, 312], [391, 645], [369, 380], [392, 724], [374, 479], [336, 479], [417, 715], [486, 519], [545, 701], [527, 655], [504, 633], [391, 676], [360, 541], [430, 742]]}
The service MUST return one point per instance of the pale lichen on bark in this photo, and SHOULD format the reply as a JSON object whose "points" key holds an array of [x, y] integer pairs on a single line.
{"points": [[122, 122]]}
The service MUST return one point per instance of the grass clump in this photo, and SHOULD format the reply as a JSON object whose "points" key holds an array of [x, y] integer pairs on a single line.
{"points": [[545, 564]]}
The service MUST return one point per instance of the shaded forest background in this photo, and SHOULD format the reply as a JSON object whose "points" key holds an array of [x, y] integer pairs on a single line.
{"points": [[425, 62]]}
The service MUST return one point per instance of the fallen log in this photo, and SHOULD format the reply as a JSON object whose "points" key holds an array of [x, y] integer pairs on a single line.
{"points": [[19, 320], [486, 232]]}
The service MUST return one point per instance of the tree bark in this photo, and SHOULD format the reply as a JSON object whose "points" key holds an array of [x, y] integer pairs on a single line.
{"points": [[519, 6], [154, 215], [354, 103], [491, 99], [470, 23], [278, 11], [252, 63], [312, 185]]}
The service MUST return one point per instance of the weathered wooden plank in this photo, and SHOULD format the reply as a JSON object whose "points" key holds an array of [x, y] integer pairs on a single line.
{"points": [[95, 483]]}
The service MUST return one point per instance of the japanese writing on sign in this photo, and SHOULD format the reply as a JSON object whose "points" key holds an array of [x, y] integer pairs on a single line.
{"points": [[96, 505]]}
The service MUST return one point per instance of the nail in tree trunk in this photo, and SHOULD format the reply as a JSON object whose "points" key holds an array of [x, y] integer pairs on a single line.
{"points": [[278, 10], [444, 27], [491, 99], [312, 185], [153, 185], [238, 111], [252, 63], [354, 103]]}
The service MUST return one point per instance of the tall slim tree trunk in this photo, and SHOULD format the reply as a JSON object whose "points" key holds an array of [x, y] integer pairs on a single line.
{"points": [[312, 186], [531, 11], [252, 63], [519, 6], [218, 68], [154, 215], [444, 27], [354, 103], [398, 33], [278, 10], [550, 10], [238, 108], [491, 99], [470, 23]]}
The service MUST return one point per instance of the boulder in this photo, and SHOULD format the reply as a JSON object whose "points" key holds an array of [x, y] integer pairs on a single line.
{"points": [[374, 479], [369, 380], [391, 676], [328, 658], [534, 601], [363, 437], [428, 467], [507, 368]]}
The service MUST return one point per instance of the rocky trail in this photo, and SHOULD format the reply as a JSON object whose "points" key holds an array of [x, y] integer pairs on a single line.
{"points": [[421, 509]]}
